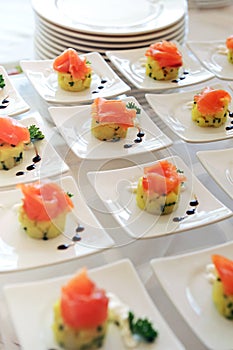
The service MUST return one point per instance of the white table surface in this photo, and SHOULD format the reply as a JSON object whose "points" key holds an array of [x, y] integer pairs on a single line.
{"points": [[203, 25]]}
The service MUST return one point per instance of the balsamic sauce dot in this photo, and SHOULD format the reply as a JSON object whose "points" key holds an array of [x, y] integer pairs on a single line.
{"points": [[190, 211], [20, 173]]}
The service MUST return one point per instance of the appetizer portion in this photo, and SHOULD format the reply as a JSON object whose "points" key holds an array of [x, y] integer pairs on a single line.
{"points": [[163, 61], [13, 137], [74, 72], [158, 190], [83, 313], [111, 119], [44, 208], [229, 45], [210, 107], [222, 292]]}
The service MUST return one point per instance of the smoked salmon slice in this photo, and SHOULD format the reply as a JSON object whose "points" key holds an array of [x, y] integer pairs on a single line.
{"points": [[83, 304], [70, 62], [12, 131], [113, 111], [44, 201], [162, 177], [165, 53], [229, 42], [211, 101], [224, 267]]}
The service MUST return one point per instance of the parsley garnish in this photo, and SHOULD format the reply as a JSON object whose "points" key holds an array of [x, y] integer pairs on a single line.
{"points": [[143, 328], [2, 81], [35, 133], [132, 105]]}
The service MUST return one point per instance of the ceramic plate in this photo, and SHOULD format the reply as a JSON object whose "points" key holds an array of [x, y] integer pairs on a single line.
{"points": [[105, 82], [184, 280], [219, 164], [122, 18], [114, 187], [35, 301], [212, 54], [175, 110], [11, 103], [51, 163], [74, 124], [131, 63], [19, 252]]}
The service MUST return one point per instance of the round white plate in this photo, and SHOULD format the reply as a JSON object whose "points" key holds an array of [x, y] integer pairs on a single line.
{"points": [[141, 16], [68, 34]]}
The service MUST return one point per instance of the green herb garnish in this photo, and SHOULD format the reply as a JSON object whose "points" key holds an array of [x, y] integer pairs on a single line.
{"points": [[132, 105], [69, 194], [35, 133], [143, 328], [2, 81]]}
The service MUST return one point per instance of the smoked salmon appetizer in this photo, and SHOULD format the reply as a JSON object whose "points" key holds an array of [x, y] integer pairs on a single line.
{"points": [[222, 293], [158, 190], [210, 107], [229, 45], [74, 72], [163, 60], [44, 209], [13, 137], [111, 119], [81, 314]]}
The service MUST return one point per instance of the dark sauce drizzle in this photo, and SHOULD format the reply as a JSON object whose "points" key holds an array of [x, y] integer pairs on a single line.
{"points": [[182, 77], [139, 139], [4, 103], [230, 127], [76, 238], [32, 166], [193, 204], [100, 87]]}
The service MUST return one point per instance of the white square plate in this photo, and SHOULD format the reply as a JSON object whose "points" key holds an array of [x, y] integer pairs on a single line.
{"points": [[31, 307], [184, 280], [11, 103], [219, 164], [175, 111], [19, 252], [131, 63], [44, 79], [114, 187], [51, 163], [74, 123], [211, 54]]}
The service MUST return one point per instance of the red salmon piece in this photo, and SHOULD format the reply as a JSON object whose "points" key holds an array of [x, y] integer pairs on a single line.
{"points": [[83, 304], [44, 201], [229, 42], [211, 101], [162, 177], [12, 131], [165, 53], [113, 111], [224, 268], [70, 62]]}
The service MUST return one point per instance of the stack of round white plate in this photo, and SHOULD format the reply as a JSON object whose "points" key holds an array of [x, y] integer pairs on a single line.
{"points": [[106, 25], [209, 3]]}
